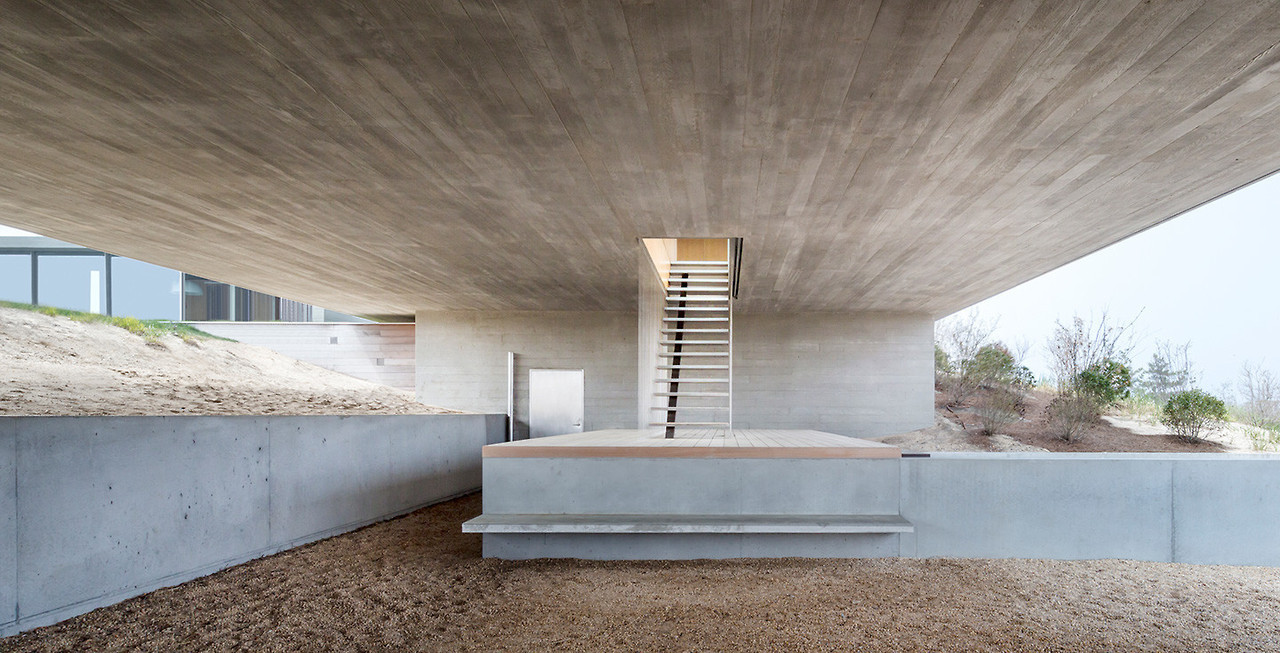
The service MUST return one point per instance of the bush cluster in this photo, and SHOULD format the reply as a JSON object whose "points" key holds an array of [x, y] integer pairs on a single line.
{"points": [[1191, 413]]}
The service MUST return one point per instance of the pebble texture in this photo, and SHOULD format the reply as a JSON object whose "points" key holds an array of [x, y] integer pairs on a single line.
{"points": [[418, 583]]}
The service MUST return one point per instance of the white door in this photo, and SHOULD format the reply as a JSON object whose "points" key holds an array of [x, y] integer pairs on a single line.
{"points": [[556, 402]]}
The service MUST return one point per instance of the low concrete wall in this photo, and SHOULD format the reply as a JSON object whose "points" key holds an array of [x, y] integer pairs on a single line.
{"points": [[95, 510], [1193, 508], [1190, 508]]}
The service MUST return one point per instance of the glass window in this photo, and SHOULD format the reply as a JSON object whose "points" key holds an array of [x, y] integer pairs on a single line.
{"points": [[15, 278], [253, 306], [292, 311], [143, 290], [74, 282], [205, 300]]}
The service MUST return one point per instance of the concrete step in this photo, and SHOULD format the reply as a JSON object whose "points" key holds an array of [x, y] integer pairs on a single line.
{"points": [[723, 424], [697, 309], [724, 318], [694, 354], [723, 264], [694, 343], [680, 409], [691, 394], [693, 331], [691, 380], [693, 367], [583, 523], [723, 299]]}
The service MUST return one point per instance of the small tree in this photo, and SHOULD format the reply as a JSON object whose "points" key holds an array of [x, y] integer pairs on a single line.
{"points": [[1075, 347], [1259, 397], [1079, 355], [1107, 382], [1192, 412], [1169, 372], [960, 339], [996, 369], [941, 366]]}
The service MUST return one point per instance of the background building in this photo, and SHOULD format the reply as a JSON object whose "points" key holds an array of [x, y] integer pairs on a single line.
{"points": [[48, 272]]}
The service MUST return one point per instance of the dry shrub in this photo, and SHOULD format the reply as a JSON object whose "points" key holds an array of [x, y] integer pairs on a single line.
{"points": [[999, 408], [1069, 416]]}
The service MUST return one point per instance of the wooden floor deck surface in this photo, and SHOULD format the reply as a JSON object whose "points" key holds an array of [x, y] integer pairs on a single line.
{"points": [[705, 443]]}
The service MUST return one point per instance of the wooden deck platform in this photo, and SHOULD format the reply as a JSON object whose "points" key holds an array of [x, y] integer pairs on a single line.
{"points": [[707, 443]]}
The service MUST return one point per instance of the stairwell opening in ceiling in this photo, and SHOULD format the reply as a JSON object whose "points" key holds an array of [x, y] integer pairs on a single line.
{"points": [[687, 288]]}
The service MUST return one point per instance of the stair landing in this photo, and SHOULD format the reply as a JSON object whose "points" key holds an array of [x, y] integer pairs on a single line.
{"points": [[694, 443]]}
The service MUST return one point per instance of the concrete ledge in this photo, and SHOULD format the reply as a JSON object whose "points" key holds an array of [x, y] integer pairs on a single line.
{"points": [[688, 524], [689, 546]]}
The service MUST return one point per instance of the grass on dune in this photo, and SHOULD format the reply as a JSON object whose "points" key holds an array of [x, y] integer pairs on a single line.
{"points": [[149, 330]]}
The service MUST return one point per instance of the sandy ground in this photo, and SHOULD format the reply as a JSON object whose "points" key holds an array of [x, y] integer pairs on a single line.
{"points": [[57, 366], [1231, 437], [417, 583], [946, 435]]}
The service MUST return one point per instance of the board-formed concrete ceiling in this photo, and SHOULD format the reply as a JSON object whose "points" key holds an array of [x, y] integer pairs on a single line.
{"points": [[382, 157]]}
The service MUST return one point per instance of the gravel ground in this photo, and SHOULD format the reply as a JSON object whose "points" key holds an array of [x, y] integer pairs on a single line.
{"points": [[418, 583]]}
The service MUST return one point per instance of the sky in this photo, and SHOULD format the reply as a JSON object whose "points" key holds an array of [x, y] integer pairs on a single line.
{"points": [[10, 231], [1210, 277]]}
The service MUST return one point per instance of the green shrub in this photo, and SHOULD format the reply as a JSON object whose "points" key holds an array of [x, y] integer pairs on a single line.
{"points": [[1192, 412], [941, 365], [994, 365], [1107, 382]]}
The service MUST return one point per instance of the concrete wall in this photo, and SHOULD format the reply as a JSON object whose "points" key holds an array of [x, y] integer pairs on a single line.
{"points": [[858, 375], [1189, 508], [462, 360], [94, 510], [381, 353], [652, 301], [861, 375], [1196, 508]]}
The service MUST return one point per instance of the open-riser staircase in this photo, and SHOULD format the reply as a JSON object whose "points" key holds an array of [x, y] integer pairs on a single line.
{"points": [[695, 368]]}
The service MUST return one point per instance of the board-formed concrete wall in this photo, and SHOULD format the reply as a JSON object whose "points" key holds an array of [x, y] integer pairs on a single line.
{"points": [[462, 360], [94, 510], [862, 375], [377, 352]]}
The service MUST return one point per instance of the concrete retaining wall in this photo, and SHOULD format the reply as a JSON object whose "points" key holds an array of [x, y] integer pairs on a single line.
{"points": [[377, 352], [94, 510], [1195, 508]]}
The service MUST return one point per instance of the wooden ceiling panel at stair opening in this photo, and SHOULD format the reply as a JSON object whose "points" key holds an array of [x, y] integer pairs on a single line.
{"points": [[382, 157], [702, 249]]}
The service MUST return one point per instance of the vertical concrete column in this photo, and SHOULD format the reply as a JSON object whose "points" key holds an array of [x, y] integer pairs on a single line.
{"points": [[8, 524]]}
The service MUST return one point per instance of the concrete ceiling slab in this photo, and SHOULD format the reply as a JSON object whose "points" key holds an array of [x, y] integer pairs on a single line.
{"points": [[384, 157]]}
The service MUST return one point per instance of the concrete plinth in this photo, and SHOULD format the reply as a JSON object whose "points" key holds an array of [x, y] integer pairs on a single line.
{"points": [[635, 495]]}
